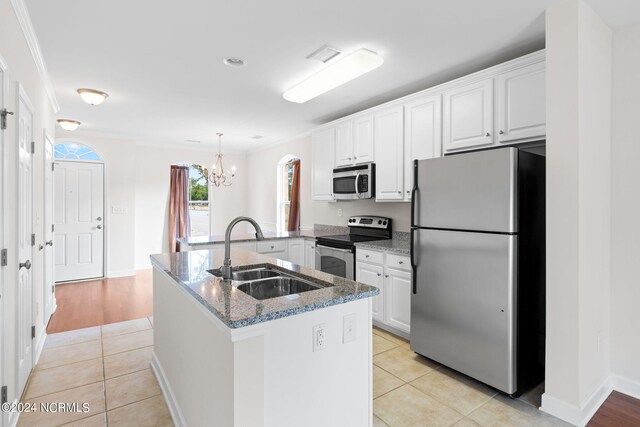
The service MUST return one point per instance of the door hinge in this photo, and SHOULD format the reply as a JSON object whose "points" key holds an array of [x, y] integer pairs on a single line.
{"points": [[33, 332], [53, 166], [53, 227], [3, 395], [33, 240], [53, 288], [3, 118], [33, 147], [3, 258]]}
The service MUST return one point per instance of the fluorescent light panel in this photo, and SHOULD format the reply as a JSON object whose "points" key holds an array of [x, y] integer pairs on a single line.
{"points": [[338, 73]]}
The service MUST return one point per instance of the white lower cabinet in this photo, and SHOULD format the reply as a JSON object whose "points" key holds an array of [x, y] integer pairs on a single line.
{"points": [[310, 253], [249, 246], [371, 274], [295, 251], [273, 248], [393, 277]]}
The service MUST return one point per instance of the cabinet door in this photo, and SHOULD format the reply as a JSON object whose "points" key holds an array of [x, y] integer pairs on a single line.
{"points": [[344, 144], [521, 104], [322, 143], [363, 139], [295, 251], [249, 246], [422, 135], [371, 274], [468, 116], [397, 297], [310, 254], [388, 140]]}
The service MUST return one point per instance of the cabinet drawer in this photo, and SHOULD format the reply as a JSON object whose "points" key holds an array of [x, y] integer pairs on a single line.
{"points": [[271, 246], [399, 262], [369, 256]]}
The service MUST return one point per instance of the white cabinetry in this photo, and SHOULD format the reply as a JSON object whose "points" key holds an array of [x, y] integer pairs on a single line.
{"points": [[468, 116], [295, 251], [388, 140], [322, 146], [422, 134], [310, 253], [273, 248], [249, 246], [354, 141], [521, 104], [392, 275]]}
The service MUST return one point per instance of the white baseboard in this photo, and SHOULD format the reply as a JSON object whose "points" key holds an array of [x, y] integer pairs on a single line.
{"points": [[169, 398], [121, 273], [625, 386], [39, 346]]}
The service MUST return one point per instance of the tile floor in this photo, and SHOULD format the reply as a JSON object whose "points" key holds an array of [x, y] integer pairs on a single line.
{"points": [[410, 390], [108, 367]]}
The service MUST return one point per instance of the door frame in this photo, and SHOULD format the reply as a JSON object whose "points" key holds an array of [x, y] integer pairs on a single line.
{"points": [[105, 219], [46, 138], [4, 89]]}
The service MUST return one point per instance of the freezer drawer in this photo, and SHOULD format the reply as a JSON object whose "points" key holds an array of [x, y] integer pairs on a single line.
{"points": [[463, 313], [468, 191]]}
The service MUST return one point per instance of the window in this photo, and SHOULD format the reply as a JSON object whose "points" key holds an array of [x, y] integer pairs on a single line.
{"points": [[284, 182], [75, 151], [198, 201]]}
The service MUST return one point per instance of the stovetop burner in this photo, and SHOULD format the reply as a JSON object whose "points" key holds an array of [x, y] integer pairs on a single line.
{"points": [[361, 229]]}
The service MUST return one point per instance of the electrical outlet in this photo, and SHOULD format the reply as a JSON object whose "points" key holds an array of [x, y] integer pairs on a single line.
{"points": [[339, 212], [319, 338], [349, 328]]}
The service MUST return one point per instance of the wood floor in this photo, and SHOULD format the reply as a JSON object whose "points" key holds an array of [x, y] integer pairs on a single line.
{"points": [[619, 410], [103, 301]]}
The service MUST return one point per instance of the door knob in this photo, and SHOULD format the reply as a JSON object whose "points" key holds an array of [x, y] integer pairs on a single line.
{"points": [[99, 218], [379, 274], [386, 275], [26, 264], [501, 132], [99, 227], [49, 243], [487, 134]]}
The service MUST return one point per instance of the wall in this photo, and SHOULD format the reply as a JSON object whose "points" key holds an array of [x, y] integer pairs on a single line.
{"points": [[578, 208], [263, 164], [21, 69], [137, 178], [625, 206]]}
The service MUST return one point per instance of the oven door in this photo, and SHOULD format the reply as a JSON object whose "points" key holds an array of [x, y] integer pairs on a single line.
{"points": [[336, 261]]}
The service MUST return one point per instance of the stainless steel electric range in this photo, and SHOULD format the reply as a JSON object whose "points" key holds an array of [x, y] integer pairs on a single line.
{"points": [[337, 254]]}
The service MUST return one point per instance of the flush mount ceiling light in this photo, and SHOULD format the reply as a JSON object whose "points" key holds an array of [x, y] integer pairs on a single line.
{"points": [[92, 96], [234, 62], [68, 124], [344, 69]]}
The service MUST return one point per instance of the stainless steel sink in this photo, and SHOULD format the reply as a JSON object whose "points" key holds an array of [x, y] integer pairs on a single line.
{"points": [[253, 274], [277, 287]]}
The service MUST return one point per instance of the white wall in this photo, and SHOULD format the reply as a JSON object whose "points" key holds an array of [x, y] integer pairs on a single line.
{"points": [[137, 179], [21, 69], [625, 206], [578, 206], [263, 164]]}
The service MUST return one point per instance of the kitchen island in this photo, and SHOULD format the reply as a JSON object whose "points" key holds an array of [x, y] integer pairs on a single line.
{"points": [[225, 358]]}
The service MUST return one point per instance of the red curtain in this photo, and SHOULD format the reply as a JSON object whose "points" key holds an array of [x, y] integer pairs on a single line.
{"points": [[178, 206], [294, 206]]}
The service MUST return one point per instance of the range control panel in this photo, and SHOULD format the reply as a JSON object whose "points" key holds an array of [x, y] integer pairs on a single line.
{"points": [[370, 222]]}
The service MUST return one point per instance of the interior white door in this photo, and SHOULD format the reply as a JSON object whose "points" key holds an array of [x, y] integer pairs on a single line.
{"points": [[48, 289], [3, 271], [24, 295], [79, 220]]}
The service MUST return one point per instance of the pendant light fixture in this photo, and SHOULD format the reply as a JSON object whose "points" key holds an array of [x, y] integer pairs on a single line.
{"points": [[92, 96], [218, 175], [68, 124]]}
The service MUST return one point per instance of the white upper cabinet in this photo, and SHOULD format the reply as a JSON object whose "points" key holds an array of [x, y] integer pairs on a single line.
{"points": [[422, 135], [322, 149], [468, 116], [363, 139], [521, 113], [388, 139], [354, 141]]}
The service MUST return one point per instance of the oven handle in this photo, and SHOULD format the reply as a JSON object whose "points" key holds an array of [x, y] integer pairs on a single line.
{"points": [[349, 251]]}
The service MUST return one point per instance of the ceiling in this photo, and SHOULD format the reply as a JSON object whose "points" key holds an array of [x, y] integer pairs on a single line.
{"points": [[161, 61]]}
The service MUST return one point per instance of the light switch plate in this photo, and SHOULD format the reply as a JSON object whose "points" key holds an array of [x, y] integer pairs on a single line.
{"points": [[119, 210], [349, 328]]}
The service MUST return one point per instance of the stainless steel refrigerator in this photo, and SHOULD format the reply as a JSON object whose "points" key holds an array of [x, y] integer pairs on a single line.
{"points": [[477, 253]]}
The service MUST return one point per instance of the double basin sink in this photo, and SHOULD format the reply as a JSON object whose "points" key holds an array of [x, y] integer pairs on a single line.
{"points": [[265, 282]]}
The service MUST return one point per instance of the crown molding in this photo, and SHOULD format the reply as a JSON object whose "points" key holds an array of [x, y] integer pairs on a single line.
{"points": [[20, 9], [283, 141]]}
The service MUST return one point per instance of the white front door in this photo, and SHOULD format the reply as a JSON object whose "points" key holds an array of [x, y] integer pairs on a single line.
{"points": [[48, 290], [79, 220], [24, 298]]}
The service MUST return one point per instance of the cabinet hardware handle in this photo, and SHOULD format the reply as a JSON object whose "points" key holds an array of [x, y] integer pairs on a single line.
{"points": [[386, 275], [399, 192], [399, 262], [501, 132], [366, 256], [26, 264], [408, 191], [487, 134], [99, 227], [379, 274], [49, 243], [349, 158]]}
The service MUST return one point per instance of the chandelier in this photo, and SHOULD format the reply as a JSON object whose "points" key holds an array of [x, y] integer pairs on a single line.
{"points": [[218, 176]]}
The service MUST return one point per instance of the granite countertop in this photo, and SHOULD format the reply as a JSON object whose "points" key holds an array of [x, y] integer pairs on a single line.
{"points": [[237, 309], [268, 235], [399, 244]]}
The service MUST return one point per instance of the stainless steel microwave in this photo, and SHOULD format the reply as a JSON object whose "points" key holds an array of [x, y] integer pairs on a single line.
{"points": [[354, 182]]}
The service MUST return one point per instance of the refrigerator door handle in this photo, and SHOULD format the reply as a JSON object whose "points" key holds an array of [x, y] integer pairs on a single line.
{"points": [[414, 191], [414, 286]]}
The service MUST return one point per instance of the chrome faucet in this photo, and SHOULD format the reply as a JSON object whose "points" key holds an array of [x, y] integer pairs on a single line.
{"points": [[226, 268]]}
